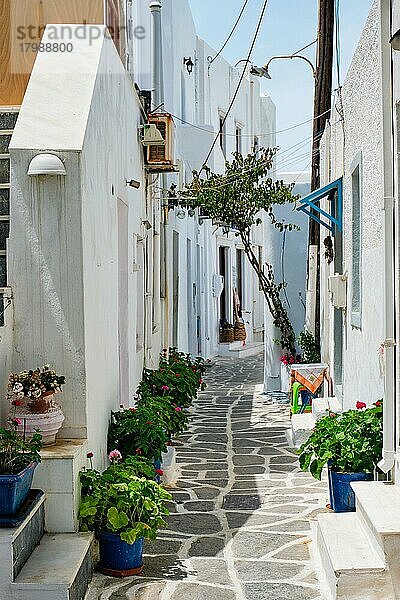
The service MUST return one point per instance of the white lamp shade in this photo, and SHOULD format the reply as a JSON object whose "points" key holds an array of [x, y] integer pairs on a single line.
{"points": [[46, 164]]}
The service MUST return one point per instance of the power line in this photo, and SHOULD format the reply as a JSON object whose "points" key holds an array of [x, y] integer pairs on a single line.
{"points": [[211, 59], [250, 134], [253, 43]]}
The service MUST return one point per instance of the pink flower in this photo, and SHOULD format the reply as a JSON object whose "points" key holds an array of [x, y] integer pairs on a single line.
{"points": [[360, 405], [200, 381], [138, 451], [17, 422], [178, 409], [115, 456], [159, 472], [332, 415], [165, 388]]}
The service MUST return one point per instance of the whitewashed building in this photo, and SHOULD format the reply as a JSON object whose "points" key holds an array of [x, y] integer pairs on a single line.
{"points": [[360, 302], [197, 251]]}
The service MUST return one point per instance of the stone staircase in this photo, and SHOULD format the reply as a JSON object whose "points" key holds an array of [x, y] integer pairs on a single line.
{"points": [[360, 552], [35, 565]]}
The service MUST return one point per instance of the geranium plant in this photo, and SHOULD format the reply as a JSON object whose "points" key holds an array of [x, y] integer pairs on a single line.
{"points": [[15, 452], [134, 433], [34, 384], [118, 502], [349, 443], [162, 409], [179, 374]]}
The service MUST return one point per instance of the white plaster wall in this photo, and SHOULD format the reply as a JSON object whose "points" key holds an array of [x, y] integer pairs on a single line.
{"points": [[361, 96], [111, 154], [64, 235]]}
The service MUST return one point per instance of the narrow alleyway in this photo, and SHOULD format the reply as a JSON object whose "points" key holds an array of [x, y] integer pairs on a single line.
{"points": [[240, 521]]}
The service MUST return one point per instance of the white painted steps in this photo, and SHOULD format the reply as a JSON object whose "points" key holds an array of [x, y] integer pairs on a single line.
{"points": [[60, 568], [360, 552]]}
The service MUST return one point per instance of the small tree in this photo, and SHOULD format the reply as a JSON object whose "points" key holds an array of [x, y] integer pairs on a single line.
{"points": [[234, 199]]}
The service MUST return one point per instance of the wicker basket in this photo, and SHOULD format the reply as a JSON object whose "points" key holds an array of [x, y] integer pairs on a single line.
{"points": [[240, 332], [226, 335]]}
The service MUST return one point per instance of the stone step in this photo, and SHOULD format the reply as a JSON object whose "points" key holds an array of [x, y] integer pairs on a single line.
{"points": [[352, 568], [60, 568], [378, 508], [17, 544]]}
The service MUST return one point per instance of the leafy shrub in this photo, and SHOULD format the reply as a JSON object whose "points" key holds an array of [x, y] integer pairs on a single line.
{"points": [[349, 443], [180, 373], [307, 343], [161, 409], [133, 433], [118, 502], [15, 452]]}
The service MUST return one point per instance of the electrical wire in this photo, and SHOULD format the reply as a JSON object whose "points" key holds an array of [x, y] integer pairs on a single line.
{"points": [[251, 134], [253, 43], [211, 59]]}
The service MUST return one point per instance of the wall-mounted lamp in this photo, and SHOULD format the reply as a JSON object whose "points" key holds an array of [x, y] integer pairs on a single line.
{"points": [[189, 64], [133, 183], [46, 164], [192, 212], [147, 224], [181, 214], [395, 41]]}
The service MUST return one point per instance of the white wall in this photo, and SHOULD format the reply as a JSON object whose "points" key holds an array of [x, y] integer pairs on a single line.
{"points": [[361, 96], [65, 267]]}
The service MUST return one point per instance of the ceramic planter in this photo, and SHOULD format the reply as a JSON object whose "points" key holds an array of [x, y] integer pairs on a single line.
{"points": [[342, 497], [117, 558], [48, 423], [14, 490]]}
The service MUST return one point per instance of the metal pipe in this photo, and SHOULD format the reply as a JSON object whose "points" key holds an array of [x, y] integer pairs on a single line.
{"points": [[389, 406]]}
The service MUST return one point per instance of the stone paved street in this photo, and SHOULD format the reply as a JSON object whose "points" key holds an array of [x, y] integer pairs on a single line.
{"points": [[237, 446]]}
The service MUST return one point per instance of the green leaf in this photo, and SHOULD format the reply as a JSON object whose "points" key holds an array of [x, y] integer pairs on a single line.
{"points": [[117, 520]]}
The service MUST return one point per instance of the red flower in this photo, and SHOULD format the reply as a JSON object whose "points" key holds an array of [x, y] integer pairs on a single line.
{"points": [[159, 472], [150, 423], [360, 405], [177, 374], [138, 451], [378, 403], [17, 402], [90, 454], [200, 381], [132, 409]]}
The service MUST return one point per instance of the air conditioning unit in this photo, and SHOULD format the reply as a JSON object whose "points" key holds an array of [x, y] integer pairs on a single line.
{"points": [[152, 135], [160, 158]]}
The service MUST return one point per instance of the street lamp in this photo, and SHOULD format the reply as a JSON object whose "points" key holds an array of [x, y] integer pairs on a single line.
{"points": [[395, 41], [264, 71]]}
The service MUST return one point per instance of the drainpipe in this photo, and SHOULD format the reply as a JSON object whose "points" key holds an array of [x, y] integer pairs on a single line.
{"points": [[389, 406], [158, 101]]}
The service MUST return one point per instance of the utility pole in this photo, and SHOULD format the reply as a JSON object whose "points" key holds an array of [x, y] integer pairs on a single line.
{"points": [[322, 107]]}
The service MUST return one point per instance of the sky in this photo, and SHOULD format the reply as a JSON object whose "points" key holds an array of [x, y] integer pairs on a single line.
{"points": [[288, 25]]}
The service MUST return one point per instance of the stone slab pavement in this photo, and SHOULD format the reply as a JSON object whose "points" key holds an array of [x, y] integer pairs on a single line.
{"points": [[253, 545]]}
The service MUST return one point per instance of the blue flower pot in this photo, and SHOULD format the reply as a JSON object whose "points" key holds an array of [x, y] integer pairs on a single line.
{"points": [[14, 490], [341, 495], [117, 558]]}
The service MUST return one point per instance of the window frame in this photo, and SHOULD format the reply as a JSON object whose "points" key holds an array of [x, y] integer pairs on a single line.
{"points": [[356, 171]]}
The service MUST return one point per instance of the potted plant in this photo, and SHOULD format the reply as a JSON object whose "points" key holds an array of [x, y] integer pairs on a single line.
{"points": [[350, 445], [31, 394], [18, 459], [122, 510], [135, 434]]}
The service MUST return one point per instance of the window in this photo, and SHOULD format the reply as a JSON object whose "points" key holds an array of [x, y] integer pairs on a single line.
{"points": [[222, 134], [356, 275], [256, 144], [238, 139]]}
